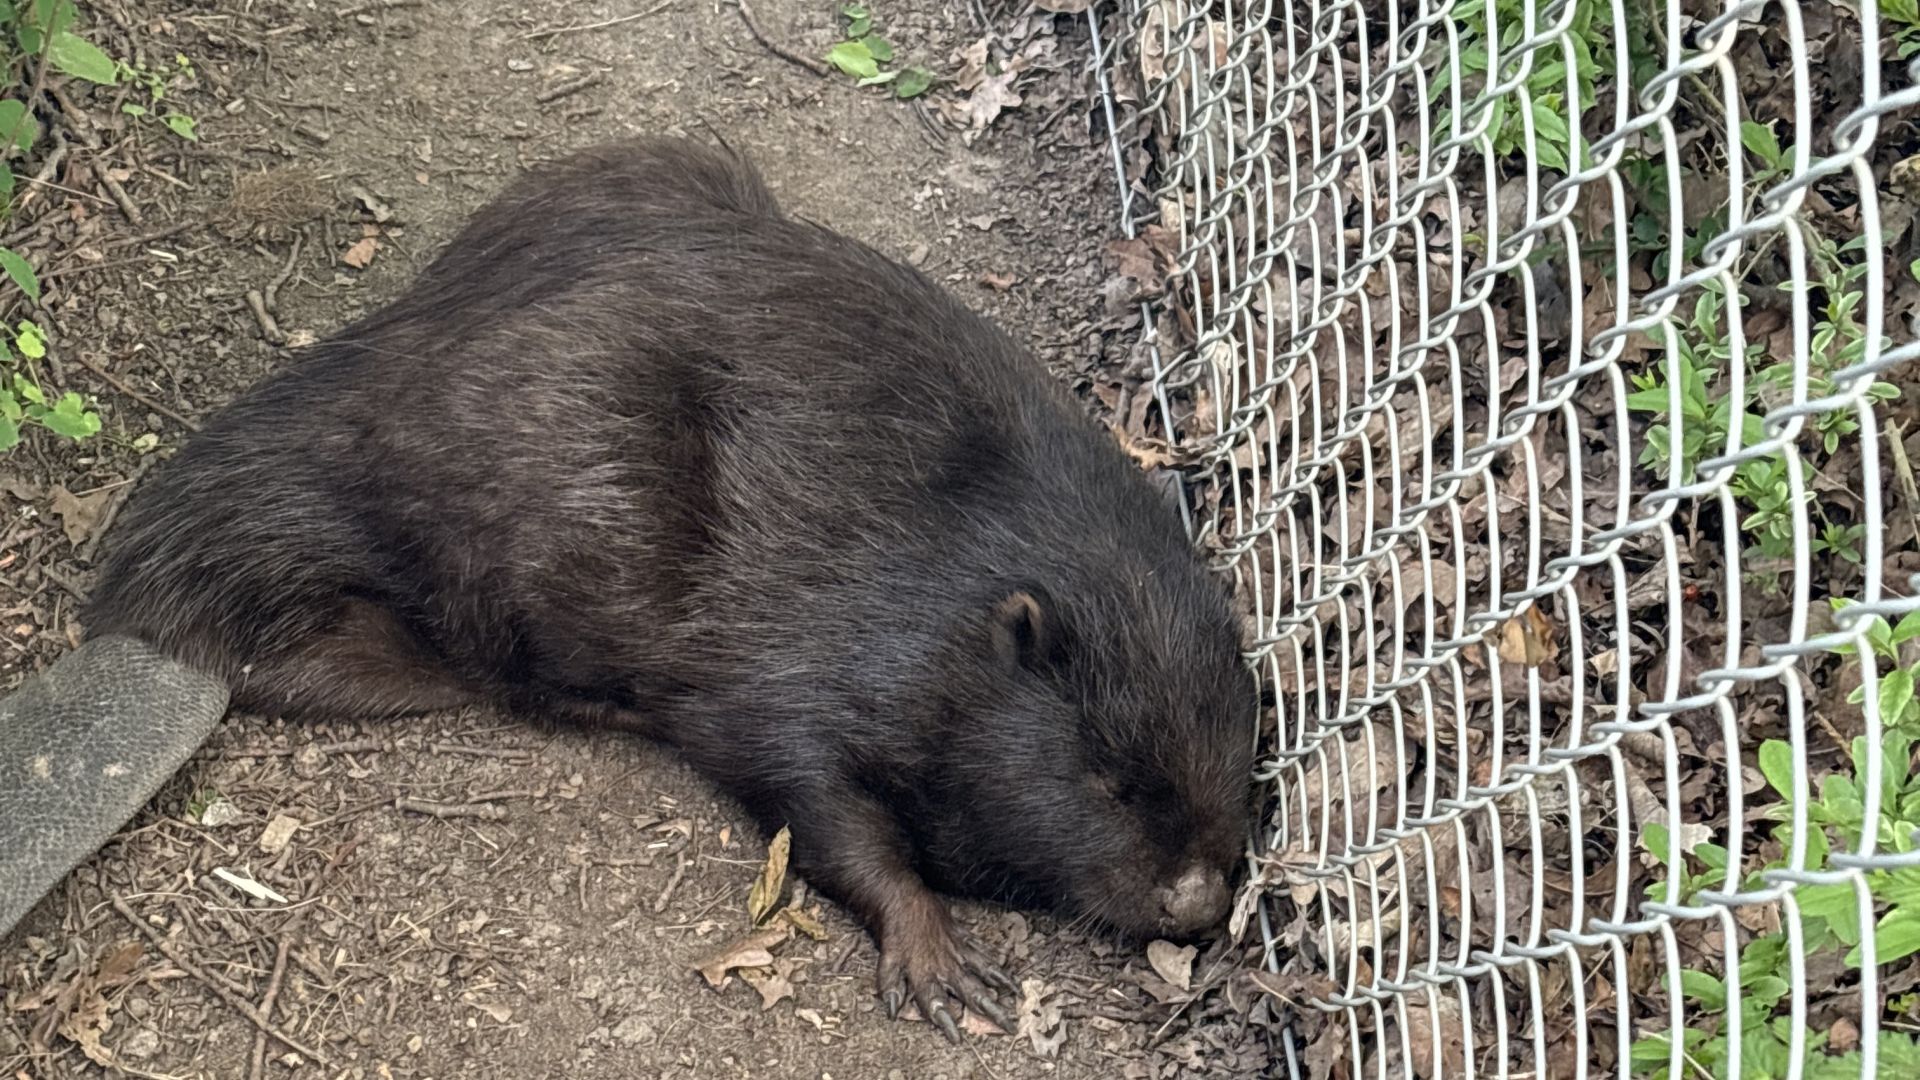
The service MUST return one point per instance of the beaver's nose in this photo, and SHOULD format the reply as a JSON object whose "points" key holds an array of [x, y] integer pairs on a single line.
{"points": [[1195, 901]]}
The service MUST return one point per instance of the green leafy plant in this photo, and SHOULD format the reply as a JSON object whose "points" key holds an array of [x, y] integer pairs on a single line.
{"points": [[23, 401], [1829, 913], [1903, 16], [36, 32], [1698, 364], [156, 85], [862, 53], [1899, 708], [1554, 144]]}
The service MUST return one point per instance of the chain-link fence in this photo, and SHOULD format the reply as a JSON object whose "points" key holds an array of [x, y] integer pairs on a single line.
{"points": [[1541, 371]]}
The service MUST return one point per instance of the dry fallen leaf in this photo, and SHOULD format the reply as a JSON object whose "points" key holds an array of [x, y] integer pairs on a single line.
{"points": [[1040, 1022], [752, 951], [279, 831], [1527, 638], [1149, 454], [805, 923], [1426, 1028], [85, 1017], [1295, 990], [361, 253], [774, 984], [998, 282], [764, 898], [1173, 963], [1136, 259], [994, 95], [973, 65], [500, 1013], [79, 514]]}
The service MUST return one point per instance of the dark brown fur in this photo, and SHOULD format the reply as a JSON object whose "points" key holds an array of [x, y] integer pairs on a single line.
{"points": [[639, 448]]}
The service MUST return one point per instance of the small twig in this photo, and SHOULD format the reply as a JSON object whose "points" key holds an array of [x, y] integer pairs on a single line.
{"points": [[666, 894], [268, 328], [87, 268], [781, 51], [602, 25], [286, 272], [377, 5], [112, 511], [120, 198], [509, 753], [233, 1000], [43, 177], [1903, 473], [345, 746], [61, 580], [486, 811], [266, 1007], [148, 238], [135, 394], [568, 89]]}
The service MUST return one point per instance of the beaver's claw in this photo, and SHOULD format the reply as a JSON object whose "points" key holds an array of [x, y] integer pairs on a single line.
{"points": [[938, 968]]}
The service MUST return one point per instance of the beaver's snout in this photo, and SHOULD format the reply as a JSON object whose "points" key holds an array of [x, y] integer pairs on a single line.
{"points": [[1196, 901]]}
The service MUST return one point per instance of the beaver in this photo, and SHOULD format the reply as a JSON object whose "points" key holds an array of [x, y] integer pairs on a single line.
{"points": [[638, 448]]}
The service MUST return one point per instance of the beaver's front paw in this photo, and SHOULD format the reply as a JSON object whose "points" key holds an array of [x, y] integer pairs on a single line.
{"points": [[925, 959]]}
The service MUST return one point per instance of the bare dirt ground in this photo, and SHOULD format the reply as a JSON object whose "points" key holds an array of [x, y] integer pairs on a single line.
{"points": [[550, 922]]}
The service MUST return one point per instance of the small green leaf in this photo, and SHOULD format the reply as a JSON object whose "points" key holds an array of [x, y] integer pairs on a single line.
{"points": [[80, 58], [1896, 693], [1710, 992], [880, 79], [1880, 636], [183, 125], [9, 434], [1652, 399], [29, 341], [1907, 628], [14, 118], [1760, 139], [21, 271], [854, 59], [133, 110], [1895, 937], [6, 183], [878, 46], [72, 418], [913, 82], [29, 390], [1657, 840], [1776, 764]]}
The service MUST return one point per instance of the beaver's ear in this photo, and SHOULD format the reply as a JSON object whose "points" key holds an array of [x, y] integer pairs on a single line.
{"points": [[1026, 630]]}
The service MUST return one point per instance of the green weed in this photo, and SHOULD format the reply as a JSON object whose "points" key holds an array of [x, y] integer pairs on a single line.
{"points": [[1592, 47], [1829, 914], [862, 52]]}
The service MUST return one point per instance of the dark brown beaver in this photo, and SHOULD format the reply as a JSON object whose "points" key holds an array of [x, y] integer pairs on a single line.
{"points": [[638, 448]]}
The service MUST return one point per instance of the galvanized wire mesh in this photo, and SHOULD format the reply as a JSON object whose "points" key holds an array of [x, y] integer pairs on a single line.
{"points": [[1542, 372]]}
